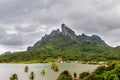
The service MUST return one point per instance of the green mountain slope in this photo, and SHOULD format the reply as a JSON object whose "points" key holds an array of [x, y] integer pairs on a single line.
{"points": [[65, 44], [66, 38]]}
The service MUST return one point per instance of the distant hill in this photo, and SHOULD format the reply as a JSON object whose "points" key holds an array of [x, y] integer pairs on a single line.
{"points": [[66, 45], [66, 38]]}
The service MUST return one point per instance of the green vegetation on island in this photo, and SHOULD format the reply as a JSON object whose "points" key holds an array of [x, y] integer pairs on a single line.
{"points": [[67, 46]]}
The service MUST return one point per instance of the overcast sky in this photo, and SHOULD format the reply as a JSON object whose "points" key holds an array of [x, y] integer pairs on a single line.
{"points": [[23, 22]]}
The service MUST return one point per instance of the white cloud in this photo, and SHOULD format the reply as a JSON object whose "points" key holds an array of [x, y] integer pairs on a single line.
{"points": [[23, 22], [2, 49]]}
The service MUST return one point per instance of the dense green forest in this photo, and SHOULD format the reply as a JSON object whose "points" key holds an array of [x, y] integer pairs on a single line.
{"points": [[67, 45], [76, 52]]}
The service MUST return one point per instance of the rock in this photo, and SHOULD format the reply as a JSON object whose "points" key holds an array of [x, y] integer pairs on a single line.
{"points": [[55, 32], [67, 31]]}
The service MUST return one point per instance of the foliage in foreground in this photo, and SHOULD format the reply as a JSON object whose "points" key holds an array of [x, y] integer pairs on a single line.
{"points": [[83, 75], [65, 75], [111, 72]]}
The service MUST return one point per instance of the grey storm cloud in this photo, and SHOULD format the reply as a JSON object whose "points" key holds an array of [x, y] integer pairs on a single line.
{"points": [[23, 22]]}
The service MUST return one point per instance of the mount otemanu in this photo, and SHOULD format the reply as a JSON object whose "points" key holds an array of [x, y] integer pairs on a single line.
{"points": [[65, 38], [68, 46]]}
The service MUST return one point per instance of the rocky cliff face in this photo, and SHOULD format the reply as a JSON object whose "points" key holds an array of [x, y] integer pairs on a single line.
{"points": [[55, 33], [67, 31], [65, 38]]}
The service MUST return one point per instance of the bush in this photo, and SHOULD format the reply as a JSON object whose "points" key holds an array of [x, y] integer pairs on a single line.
{"points": [[111, 66], [100, 70], [65, 75], [94, 77], [83, 75]]}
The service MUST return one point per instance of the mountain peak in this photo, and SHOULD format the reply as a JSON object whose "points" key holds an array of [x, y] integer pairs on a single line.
{"points": [[66, 31], [66, 37], [55, 32]]}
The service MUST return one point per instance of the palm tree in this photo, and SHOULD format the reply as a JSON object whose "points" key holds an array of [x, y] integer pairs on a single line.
{"points": [[43, 72], [10, 78], [54, 67], [75, 76], [32, 76], [14, 77], [26, 69]]}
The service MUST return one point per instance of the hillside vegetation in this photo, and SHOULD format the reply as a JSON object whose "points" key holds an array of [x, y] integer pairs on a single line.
{"points": [[67, 45]]}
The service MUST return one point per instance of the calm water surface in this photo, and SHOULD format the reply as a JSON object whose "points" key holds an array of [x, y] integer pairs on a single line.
{"points": [[7, 69]]}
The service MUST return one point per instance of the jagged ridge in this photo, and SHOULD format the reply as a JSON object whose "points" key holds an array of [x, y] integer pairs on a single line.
{"points": [[65, 38]]}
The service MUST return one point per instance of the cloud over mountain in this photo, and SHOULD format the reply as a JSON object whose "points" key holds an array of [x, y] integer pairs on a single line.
{"points": [[22, 22]]}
